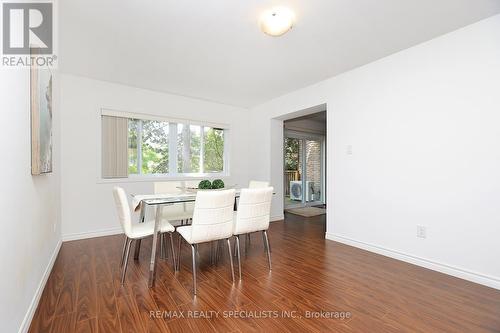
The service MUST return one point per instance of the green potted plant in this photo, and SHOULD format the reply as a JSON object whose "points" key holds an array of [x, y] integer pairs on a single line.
{"points": [[205, 185], [217, 184]]}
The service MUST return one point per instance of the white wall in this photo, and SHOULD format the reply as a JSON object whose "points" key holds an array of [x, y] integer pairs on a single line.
{"points": [[424, 125], [29, 205], [87, 203]]}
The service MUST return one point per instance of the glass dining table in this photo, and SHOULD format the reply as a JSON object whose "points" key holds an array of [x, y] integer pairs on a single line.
{"points": [[143, 202]]}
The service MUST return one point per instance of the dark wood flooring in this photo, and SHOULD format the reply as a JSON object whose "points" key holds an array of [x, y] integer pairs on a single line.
{"points": [[83, 293]]}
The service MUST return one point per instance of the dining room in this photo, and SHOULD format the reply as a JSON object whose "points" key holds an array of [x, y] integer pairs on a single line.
{"points": [[302, 166]]}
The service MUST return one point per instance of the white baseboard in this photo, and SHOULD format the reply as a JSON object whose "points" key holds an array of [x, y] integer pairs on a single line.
{"points": [[485, 280], [277, 218], [92, 234], [25, 325], [118, 230]]}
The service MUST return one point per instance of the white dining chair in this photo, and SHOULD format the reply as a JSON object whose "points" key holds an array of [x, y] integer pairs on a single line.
{"points": [[253, 215], [258, 184], [212, 221], [253, 184], [178, 212], [137, 231]]}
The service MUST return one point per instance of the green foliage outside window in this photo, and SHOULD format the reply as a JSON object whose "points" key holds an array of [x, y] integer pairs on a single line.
{"points": [[132, 145], [155, 148], [292, 149], [213, 158]]}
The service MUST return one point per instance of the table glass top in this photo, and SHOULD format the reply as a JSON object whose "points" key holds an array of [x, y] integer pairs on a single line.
{"points": [[166, 198]]}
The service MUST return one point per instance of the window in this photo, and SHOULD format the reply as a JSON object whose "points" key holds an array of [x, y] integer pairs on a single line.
{"points": [[213, 152], [148, 147], [188, 148], [168, 148], [133, 130]]}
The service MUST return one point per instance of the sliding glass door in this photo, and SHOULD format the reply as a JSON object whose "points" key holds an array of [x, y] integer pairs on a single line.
{"points": [[303, 169]]}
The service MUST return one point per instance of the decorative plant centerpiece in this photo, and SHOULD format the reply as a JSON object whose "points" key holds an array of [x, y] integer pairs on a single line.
{"points": [[205, 185], [217, 184]]}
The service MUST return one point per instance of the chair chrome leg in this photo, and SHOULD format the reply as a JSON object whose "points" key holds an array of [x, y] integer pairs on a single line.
{"points": [[123, 252], [193, 254], [267, 245], [125, 261], [264, 242], [173, 252], [165, 245], [162, 246], [267, 248], [137, 249], [179, 253], [234, 249], [238, 253], [217, 252], [230, 257]]}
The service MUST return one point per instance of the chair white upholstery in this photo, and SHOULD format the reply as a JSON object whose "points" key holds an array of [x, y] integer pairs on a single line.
{"points": [[254, 210], [189, 206], [212, 221], [212, 217], [177, 212], [258, 184], [136, 231], [141, 230]]}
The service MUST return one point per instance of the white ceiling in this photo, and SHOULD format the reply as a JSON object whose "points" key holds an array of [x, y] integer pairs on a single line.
{"points": [[214, 50]]}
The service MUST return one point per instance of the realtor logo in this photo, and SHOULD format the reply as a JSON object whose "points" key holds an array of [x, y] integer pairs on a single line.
{"points": [[28, 34], [27, 25]]}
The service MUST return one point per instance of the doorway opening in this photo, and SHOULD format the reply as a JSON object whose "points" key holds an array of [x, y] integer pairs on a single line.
{"points": [[304, 150]]}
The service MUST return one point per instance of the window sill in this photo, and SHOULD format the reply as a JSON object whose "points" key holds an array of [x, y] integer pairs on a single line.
{"points": [[161, 178]]}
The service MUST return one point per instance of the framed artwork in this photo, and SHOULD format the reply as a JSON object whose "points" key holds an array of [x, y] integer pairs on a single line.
{"points": [[41, 119]]}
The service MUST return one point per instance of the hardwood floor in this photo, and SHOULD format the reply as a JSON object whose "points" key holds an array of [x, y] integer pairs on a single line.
{"points": [[83, 293]]}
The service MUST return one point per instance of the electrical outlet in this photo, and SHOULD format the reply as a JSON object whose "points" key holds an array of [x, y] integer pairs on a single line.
{"points": [[421, 231]]}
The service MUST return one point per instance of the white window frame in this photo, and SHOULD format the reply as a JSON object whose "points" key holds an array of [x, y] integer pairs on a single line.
{"points": [[172, 145], [172, 162]]}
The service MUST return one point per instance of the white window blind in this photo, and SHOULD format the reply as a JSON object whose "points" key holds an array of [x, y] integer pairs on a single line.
{"points": [[114, 147]]}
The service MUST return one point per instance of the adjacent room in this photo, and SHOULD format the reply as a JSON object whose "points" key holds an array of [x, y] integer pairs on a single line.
{"points": [[250, 166], [305, 164]]}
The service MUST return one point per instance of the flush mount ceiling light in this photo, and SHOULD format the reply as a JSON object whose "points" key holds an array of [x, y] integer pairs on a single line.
{"points": [[276, 21]]}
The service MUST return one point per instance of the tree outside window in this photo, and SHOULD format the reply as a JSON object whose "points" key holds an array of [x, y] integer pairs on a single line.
{"points": [[148, 148]]}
